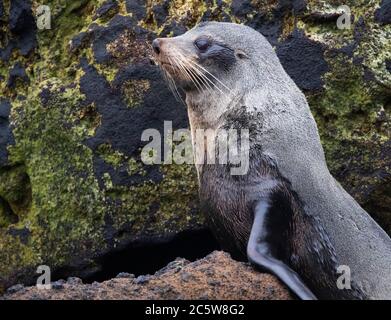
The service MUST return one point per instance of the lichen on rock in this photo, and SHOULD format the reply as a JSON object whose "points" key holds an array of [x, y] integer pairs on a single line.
{"points": [[72, 184]]}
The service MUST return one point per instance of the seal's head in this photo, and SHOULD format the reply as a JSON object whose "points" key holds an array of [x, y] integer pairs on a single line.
{"points": [[216, 56]]}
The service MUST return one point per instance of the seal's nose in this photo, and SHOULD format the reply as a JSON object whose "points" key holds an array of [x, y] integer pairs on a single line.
{"points": [[156, 46]]}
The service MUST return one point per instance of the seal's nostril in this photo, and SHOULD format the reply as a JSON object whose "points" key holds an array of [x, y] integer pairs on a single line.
{"points": [[156, 46]]}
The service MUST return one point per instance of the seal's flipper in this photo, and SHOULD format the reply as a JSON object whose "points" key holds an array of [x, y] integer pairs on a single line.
{"points": [[259, 253]]}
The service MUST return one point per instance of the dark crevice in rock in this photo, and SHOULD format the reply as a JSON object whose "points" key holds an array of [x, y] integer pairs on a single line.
{"points": [[17, 74], [23, 234], [147, 258], [7, 216], [6, 137], [15, 190]]}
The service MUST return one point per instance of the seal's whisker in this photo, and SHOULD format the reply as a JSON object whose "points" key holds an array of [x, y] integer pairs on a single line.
{"points": [[205, 76], [172, 81], [189, 74], [171, 85], [199, 75], [201, 79], [202, 76], [165, 75], [168, 80], [195, 79], [179, 67], [206, 79], [207, 72], [175, 91]]}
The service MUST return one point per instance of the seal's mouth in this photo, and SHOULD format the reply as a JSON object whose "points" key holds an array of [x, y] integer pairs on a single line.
{"points": [[167, 65], [161, 61], [170, 68]]}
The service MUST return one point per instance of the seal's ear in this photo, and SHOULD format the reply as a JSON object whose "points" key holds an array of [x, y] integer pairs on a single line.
{"points": [[241, 54]]}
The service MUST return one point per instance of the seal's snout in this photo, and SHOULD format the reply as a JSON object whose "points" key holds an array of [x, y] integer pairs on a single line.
{"points": [[156, 46]]}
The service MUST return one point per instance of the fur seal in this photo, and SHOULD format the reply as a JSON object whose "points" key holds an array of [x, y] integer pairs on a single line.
{"points": [[287, 213]]}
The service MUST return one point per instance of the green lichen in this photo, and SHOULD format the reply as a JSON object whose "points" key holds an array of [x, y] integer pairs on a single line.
{"points": [[135, 167], [65, 211], [50, 190], [174, 197], [374, 45], [107, 181], [59, 167], [134, 91], [186, 11], [113, 157], [375, 49], [353, 117]]}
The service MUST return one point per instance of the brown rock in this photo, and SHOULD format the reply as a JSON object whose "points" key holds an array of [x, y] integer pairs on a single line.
{"points": [[216, 276]]}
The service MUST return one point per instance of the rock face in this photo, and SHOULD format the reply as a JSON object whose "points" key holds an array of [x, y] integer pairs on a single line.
{"points": [[76, 98], [216, 276]]}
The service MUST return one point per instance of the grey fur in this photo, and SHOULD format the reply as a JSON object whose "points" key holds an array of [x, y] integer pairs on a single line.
{"points": [[290, 151]]}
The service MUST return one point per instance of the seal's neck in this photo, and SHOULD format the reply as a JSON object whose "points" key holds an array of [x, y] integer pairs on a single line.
{"points": [[206, 109]]}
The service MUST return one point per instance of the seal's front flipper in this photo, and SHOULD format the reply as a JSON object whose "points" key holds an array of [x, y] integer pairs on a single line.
{"points": [[260, 254]]}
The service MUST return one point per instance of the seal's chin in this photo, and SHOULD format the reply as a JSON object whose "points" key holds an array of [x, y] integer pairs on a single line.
{"points": [[187, 86], [167, 66]]}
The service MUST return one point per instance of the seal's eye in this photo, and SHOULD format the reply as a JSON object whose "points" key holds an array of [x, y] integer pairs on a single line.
{"points": [[202, 44]]}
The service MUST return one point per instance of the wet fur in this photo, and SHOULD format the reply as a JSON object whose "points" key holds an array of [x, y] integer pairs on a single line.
{"points": [[300, 241]]}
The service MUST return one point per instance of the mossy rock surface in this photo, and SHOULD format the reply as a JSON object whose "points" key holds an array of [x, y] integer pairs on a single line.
{"points": [[76, 98]]}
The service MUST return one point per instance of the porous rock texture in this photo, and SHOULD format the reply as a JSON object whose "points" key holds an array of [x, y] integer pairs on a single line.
{"points": [[75, 99], [216, 276]]}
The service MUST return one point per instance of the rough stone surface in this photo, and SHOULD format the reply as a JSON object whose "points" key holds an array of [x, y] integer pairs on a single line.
{"points": [[216, 276], [17, 73], [5, 131], [383, 14], [304, 61], [72, 186]]}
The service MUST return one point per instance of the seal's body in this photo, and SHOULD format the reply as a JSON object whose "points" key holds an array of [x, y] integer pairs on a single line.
{"points": [[287, 213]]}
